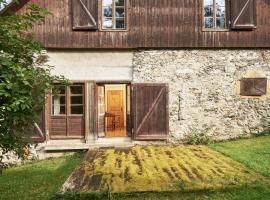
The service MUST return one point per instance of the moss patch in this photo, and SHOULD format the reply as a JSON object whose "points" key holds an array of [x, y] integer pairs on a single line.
{"points": [[159, 168]]}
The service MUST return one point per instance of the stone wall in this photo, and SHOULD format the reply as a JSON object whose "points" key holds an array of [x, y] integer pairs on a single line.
{"points": [[204, 89]]}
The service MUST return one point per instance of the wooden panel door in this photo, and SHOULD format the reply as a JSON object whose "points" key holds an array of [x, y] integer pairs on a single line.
{"points": [[115, 106], [150, 111]]}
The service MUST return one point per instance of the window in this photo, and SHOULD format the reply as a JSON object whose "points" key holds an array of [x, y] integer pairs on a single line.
{"points": [[253, 86], [114, 14], [214, 14], [68, 100]]}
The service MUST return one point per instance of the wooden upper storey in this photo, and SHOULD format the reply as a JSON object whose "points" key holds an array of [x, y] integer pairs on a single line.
{"points": [[150, 24]]}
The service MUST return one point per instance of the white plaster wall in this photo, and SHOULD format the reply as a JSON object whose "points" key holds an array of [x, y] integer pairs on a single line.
{"points": [[92, 65]]}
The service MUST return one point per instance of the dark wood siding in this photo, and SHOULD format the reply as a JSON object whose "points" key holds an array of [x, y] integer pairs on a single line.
{"points": [[151, 24], [150, 111]]}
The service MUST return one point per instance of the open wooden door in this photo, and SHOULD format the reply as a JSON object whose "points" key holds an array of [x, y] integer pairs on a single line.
{"points": [[150, 111]]}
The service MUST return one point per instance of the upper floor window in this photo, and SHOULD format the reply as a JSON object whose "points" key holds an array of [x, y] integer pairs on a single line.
{"points": [[114, 14], [214, 14]]}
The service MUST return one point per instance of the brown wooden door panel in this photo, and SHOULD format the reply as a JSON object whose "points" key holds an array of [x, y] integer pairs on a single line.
{"points": [[58, 126], [76, 126], [67, 126], [150, 111]]}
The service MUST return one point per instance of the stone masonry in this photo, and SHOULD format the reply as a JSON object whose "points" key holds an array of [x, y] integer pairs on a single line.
{"points": [[205, 89]]}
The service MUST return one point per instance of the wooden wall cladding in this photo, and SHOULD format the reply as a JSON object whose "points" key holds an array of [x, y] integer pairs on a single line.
{"points": [[151, 24]]}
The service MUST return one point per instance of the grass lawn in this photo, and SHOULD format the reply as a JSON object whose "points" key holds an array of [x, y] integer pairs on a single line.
{"points": [[254, 152], [38, 180], [209, 172]]}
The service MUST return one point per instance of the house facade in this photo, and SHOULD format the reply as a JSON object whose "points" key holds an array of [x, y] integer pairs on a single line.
{"points": [[155, 70]]}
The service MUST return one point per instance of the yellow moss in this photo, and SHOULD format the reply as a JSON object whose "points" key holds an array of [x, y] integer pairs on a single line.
{"points": [[160, 168]]}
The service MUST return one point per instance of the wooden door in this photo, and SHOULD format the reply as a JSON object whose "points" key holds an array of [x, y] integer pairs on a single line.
{"points": [[150, 111], [115, 106]]}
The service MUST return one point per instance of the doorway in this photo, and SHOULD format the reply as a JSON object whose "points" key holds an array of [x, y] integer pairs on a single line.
{"points": [[113, 110]]}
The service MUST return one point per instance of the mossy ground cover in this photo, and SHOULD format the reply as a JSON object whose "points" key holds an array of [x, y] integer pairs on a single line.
{"points": [[159, 169]]}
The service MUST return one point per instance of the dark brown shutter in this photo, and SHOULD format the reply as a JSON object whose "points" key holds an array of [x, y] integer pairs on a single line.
{"points": [[39, 129], [85, 14], [150, 111], [243, 14], [253, 86]]}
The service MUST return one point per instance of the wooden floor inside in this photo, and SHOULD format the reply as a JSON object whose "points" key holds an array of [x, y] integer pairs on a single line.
{"points": [[117, 133]]}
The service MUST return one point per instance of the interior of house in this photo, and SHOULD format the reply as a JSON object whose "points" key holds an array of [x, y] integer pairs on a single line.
{"points": [[113, 110]]}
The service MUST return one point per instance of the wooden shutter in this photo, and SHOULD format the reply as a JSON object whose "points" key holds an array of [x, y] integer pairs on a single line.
{"points": [[85, 14], [39, 129], [253, 86], [243, 14], [150, 111]]}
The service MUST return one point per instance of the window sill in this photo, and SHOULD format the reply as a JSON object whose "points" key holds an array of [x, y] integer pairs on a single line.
{"points": [[113, 30], [215, 30]]}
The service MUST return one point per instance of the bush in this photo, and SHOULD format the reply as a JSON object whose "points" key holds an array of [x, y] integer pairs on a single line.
{"points": [[197, 137]]}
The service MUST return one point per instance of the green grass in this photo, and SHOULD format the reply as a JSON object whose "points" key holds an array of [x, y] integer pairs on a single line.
{"points": [[259, 192], [254, 152], [38, 180], [42, 179]]}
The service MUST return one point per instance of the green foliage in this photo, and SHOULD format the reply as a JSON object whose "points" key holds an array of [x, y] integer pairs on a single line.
{"points": [[24, 79], [197, 137]]}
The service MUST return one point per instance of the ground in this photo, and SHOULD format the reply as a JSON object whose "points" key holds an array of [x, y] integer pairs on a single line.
{"points": [[38, 180], [41, 179], [158, 169]]}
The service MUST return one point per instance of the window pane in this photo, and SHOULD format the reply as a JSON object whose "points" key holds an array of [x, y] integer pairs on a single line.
{"points": [[76, 89], [208, 23], [107, 23], [59, 100], [221, 23], [120, 23], [59, 89], [107, 11], [208, 2], [120, 2], [220, 11], [107, 2], [208, 11], [220, 2], [120, 12], [76, 110], [77, 100], [59, 110]]}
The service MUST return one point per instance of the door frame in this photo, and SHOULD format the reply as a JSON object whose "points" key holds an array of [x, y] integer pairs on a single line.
{"points": [[114, 82]]}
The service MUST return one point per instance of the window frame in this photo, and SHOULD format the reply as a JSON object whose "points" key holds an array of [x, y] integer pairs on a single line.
{"points": [[68, 104], [227, 23], [101, 17]]}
